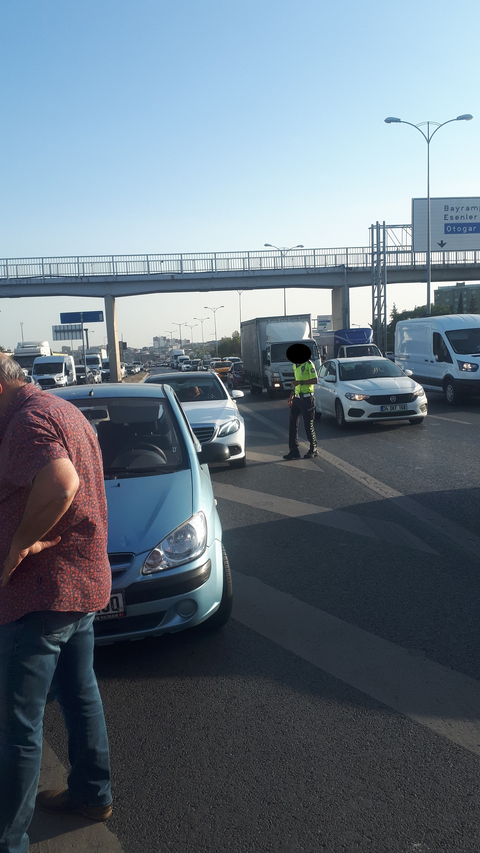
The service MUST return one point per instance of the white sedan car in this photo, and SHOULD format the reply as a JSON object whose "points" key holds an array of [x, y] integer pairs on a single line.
{"points": [[368, 389], [211, 411]]}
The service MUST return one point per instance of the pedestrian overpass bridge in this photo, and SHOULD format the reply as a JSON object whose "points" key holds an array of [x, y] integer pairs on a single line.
{"points": [[389, 258]]}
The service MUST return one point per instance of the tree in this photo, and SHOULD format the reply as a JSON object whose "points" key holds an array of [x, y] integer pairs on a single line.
{"points": [[472, 303], [229, 346], [460, 303]]}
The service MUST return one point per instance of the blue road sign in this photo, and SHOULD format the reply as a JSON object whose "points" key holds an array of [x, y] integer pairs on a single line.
{"points": [[82, 317]]}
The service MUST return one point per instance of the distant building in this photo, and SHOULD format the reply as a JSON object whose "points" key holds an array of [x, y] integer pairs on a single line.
{"points": [[460, 298]]}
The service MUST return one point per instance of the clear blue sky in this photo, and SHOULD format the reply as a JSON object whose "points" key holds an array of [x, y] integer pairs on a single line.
{"points": [[153, 126]]}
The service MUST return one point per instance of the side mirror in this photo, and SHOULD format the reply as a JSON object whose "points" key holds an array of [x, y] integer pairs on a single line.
{"points": [[235, 395], [213, 453], [408, 372], [329, 378]]}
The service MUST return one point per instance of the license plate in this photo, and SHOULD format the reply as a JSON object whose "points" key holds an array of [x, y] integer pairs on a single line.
{"points": [[401, 408], [114, 609]]}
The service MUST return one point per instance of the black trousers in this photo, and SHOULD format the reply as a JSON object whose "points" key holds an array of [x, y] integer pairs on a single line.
{"points": [[302, 407]]}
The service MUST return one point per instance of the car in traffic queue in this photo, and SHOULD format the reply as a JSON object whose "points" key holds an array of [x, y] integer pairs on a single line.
{"points": [[236, 376], [211, 411], [221, 368], [170, 571], [83, 378], [356, 390]]}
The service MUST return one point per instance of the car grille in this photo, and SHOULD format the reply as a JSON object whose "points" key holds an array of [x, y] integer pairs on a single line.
{"points": [[388, 399], [120, 564], [204, 433], [47, 383]]}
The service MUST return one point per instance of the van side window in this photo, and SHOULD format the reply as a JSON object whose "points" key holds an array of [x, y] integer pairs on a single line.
{"points": [[440, 351]]}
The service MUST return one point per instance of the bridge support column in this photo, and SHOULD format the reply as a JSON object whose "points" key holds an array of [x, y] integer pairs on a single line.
{"points": [[113, 354], [341, 306]]}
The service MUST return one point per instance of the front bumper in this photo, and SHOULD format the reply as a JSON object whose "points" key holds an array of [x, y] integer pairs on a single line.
{"points": [[152, 602], [362, 411]]}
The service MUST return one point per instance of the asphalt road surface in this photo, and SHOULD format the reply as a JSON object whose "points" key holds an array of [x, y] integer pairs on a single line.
{"points": [[339, 710]]}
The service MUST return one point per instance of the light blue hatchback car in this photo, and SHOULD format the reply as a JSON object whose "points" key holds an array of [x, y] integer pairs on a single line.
{"points": [[169, 568]]}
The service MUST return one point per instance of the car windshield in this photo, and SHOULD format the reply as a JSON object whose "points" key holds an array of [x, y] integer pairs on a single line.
{"points": [[362, 349], [138, 436], [465, 341], [106, 365], [50, 367], [192, 390], [354, 371]]}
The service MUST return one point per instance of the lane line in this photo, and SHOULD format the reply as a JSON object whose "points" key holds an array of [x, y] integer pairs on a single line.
{"points": [[261, 458], [452, 420], [439, 698], [373, 528], [463, 538]]}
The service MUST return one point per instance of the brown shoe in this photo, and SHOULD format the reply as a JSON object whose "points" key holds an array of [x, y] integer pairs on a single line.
{"points": [[57, 801]]}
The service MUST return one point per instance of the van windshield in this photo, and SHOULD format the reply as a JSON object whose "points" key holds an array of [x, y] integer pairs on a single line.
{"points": [[465, 341], [50, 368]]}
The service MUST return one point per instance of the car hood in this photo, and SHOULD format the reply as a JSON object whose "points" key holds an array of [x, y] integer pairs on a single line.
{"points": [[382, 385], [210, 411], [143, 510]]}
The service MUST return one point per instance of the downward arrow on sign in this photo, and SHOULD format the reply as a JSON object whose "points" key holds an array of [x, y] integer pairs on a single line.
{"points": [[441, 244]]}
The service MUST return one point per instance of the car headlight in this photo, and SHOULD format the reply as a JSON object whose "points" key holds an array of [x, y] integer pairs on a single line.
{"points": [[182, 545], [356, 397], [231, 426], [418, 391], [468, 366]]}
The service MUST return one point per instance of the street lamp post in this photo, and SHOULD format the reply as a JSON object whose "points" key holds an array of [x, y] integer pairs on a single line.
{"points": [[191, 327], [428, 136], [202, 321], [283, 252], [215, 320], [240, 306], [21, 329], [180, 331]]}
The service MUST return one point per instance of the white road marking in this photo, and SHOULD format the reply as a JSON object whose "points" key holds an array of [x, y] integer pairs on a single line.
{"points": [[462, 537], [373, 528], [453, 420], [439, 698], [305, 464]]}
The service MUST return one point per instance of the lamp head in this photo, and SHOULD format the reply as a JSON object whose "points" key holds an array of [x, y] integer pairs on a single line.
{"points": [[466, 117], [269, 245], [392, 119]]}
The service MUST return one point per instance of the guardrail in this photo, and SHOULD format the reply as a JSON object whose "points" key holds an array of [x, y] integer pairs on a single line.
{"points": [[218, 262]]}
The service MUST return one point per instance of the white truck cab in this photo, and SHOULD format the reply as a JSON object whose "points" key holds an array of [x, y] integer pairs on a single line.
{"points": [[442, 352]]}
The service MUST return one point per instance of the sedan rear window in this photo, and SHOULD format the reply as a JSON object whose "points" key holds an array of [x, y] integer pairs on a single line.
{"points": [[364, 369], [137, 437], [198, 389]]}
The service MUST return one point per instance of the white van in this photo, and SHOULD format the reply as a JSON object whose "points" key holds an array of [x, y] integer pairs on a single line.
{"points": [[54, 371], [443, 353]]}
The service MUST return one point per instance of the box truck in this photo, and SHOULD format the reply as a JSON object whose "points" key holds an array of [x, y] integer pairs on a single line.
{"points": [[265, 341]]}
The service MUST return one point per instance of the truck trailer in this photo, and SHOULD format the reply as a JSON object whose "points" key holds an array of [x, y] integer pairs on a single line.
{"points": [[265, 341]]}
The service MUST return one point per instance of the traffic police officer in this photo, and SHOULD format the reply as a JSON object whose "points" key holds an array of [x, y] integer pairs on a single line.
{"points": [[302, 400]]}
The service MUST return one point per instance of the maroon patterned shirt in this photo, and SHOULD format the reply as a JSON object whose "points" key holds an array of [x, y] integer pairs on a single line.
{"points": [[36, 428]]}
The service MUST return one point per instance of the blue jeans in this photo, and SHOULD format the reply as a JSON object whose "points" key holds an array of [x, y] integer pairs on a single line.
{"points": [[39, 653]]}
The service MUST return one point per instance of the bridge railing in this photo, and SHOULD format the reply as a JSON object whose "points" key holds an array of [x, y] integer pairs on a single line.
{"points": [[218, 262]]}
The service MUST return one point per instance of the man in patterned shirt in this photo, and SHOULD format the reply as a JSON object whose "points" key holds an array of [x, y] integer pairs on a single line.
{"points": [[302, 401], [53, 550]]}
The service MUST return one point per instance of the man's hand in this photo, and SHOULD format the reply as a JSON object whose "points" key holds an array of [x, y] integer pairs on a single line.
{"points": [[15, 557]]}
